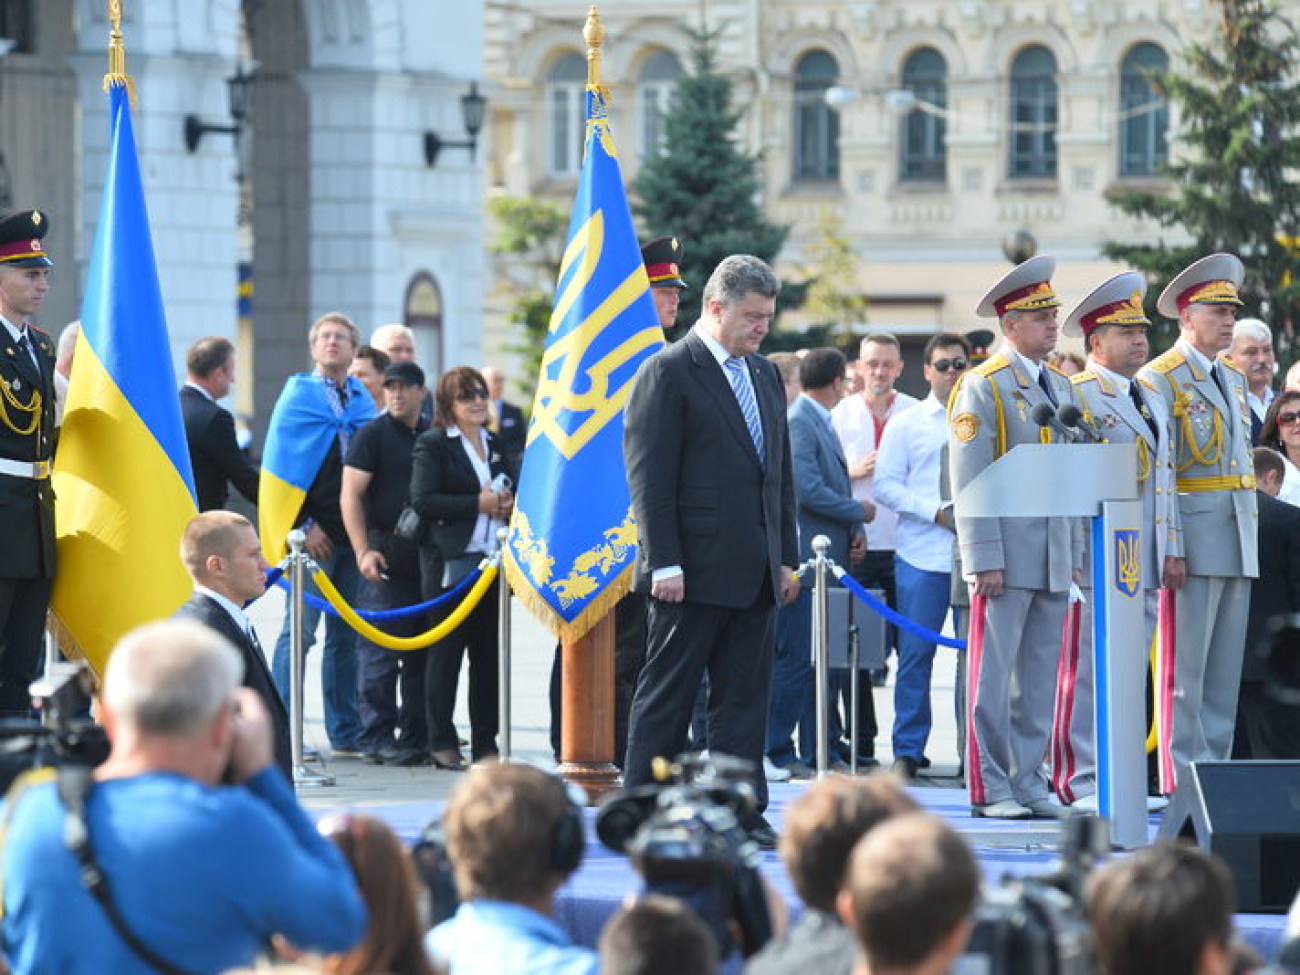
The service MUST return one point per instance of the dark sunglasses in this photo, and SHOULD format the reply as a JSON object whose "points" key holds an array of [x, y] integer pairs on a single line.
{"points": [[943, 365], [471, 395], [1287, 418]]}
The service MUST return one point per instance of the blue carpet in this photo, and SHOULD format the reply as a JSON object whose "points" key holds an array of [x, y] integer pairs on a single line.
{"points": [[1004, 848]]}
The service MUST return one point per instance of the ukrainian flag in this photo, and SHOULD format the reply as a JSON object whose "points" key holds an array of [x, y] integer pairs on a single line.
{"points": [[122, 481], [572, 542], [303, 427]]}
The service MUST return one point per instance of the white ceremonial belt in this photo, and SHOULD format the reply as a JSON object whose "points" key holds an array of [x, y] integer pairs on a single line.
{"points": [[37, 470]]}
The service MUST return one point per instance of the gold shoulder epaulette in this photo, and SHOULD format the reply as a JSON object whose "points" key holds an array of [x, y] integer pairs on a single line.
{"points": [[1233, 366], [1149, 385], [1056, 370], [1079, 378], [991, 365], [1168, 361]]}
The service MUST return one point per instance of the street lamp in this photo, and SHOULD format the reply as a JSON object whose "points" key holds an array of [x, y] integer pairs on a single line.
{"points": [[473, 107], [240, 90]]}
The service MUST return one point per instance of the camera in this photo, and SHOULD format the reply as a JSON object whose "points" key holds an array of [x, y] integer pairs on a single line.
{"points": [[65, 735], [685, 838], [434, 868], [1036, 925]]}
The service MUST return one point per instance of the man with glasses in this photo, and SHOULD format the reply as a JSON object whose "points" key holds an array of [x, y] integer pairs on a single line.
{"points": [[1216, 501], [1022, 567], [907, 480], [1114, 326]]}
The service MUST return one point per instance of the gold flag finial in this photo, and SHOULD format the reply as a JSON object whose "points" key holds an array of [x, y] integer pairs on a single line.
{"points": [[593, 32], [117, 52]]}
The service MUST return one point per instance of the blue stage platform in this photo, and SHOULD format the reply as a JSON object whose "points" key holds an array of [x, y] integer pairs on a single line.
{"points": [[1003, 848]]}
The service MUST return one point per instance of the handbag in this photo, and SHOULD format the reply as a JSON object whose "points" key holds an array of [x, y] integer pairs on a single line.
{"points": [[409, 526]]}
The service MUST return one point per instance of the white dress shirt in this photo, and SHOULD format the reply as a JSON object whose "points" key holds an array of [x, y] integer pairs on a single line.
{"points": [[856, 427], [235, 612], [907, 481], [484, 536]]}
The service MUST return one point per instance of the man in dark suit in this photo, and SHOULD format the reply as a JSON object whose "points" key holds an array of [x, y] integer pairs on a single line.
{"points": [[826, 506], [507, 421], [223, 556], [708, 465], [1266, 727], [210, 429], [26, 445]]}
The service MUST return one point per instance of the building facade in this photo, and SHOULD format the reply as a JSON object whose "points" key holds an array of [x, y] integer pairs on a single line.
{"points": [[945, 134]]}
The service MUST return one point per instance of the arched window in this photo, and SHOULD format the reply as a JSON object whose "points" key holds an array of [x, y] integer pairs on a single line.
{"points": [[923, 154], [1143, 113], [816, 126], [656, 86], [566, 113], [1033, 114]]}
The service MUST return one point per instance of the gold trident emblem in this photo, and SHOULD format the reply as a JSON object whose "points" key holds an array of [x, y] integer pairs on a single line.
{"points": [[1128, 561]]}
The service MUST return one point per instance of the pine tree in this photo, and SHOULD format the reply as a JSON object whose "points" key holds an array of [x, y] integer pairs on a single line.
{"points": [[1234, 184], [703, 189]]}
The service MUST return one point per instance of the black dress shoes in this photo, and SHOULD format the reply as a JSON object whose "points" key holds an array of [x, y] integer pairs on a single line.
{"points": [[905, 768], [760, 832], [450, 760]]}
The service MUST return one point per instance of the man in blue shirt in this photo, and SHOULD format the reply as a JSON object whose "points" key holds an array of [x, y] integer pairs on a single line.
{"points": [[513, 837], [201, 874]]}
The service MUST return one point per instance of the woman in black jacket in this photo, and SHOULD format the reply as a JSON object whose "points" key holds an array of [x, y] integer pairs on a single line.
{"points": [[461, 488]]}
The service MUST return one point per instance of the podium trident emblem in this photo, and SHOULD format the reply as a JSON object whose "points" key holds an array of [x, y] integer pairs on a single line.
{"points": [[1128, 561]]}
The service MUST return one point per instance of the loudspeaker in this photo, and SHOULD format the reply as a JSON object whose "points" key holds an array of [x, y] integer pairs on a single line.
{"points": [[1248, 814]]}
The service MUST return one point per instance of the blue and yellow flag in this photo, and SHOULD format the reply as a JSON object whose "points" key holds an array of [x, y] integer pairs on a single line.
{"points": [[303, 427], [572, 542], [122, 481]]}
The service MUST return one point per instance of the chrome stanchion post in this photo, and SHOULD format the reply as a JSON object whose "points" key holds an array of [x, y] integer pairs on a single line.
{"points": [[302, 776], [503, 649], [821, 652], [855, 649]]}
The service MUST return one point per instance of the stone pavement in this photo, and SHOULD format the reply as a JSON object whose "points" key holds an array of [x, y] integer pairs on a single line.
{"points": [[358, 783]]}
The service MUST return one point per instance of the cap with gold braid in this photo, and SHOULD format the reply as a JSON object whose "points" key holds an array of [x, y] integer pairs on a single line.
{"points": [[1117, 301], [1026, 287], [1212, 280], [662, 257], [20, 239]]}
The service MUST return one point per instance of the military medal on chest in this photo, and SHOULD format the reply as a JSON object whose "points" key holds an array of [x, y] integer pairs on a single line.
{"points": [[1022, 406]]}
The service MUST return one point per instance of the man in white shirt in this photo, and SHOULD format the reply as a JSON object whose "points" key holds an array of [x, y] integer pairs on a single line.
{"points": [[1252, 352], [859, 422], [907, 481]]}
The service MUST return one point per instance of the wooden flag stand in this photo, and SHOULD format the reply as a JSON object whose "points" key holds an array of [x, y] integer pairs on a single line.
{"points": [[587, 712]]}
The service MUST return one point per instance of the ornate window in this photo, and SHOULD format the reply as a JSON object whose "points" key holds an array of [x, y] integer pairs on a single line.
{"points": [[656, 87], [816, 125], [1143, 113], [1033, 114], [922, 152], [566, 114]]}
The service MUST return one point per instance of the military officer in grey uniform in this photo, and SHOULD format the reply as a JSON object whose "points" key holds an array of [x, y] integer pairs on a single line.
{"points": [[1114, 326], [1216, 500], [1022, 567]]}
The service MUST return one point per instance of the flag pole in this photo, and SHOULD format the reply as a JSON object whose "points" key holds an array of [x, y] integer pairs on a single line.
{"points": [[587, 663]]}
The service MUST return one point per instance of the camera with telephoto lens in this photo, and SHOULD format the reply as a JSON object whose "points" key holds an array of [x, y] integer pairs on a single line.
{"points": [[65, 735], [1036, 925], [685, 838]]}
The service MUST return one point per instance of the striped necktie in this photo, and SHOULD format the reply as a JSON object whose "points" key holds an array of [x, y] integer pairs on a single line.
{"points": [[744, 390]]}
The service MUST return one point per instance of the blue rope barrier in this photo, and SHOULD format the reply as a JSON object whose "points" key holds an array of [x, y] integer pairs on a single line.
{"points": [[893, 615], [275, 577]]}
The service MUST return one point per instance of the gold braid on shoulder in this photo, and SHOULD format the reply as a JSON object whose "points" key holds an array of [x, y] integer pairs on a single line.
{"points": [[11, 402]]}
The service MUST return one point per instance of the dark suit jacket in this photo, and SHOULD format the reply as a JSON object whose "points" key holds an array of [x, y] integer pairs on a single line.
{"points": [[512, 431], [1277, 590], [445, 489], [214, 451], [27, 505], [702, 498], [257, 675]]}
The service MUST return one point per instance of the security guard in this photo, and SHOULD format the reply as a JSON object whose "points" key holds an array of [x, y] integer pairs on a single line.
{"points": [[26, 444], [1023, 567], [1216, 500], [1114, 326], [662, 257]]}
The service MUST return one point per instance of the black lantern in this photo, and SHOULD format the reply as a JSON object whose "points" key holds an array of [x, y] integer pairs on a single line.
{"points": [[240, 90], [1019, 246], [473, 108]]}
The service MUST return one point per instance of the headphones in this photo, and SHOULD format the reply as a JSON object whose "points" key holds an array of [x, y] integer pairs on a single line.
{"points": [[570, 839]]}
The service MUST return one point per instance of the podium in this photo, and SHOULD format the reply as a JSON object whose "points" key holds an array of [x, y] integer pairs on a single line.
{"points": [[1099, 482]]}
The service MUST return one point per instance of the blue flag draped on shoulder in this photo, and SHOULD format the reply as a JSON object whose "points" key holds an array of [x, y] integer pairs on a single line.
{"points": [[122, 481], [572, 542]]}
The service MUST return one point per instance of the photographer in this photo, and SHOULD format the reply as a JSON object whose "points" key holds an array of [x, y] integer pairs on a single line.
{"points": [[513, 837], [819, 832], [197, 876], [1165, 910]]}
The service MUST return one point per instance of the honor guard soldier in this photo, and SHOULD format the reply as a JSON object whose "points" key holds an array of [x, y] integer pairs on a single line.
{"points": [[26, 445], [1216, 500], [1022, 567], [1124, 411], [662, 257]]}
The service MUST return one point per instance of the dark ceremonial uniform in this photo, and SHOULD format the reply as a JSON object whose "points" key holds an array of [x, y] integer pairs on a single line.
{"points": [[27, 429]]}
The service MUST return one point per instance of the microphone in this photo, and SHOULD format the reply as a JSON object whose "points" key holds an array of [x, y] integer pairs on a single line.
{"points": [[1045, 416], [1072, 416]]}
